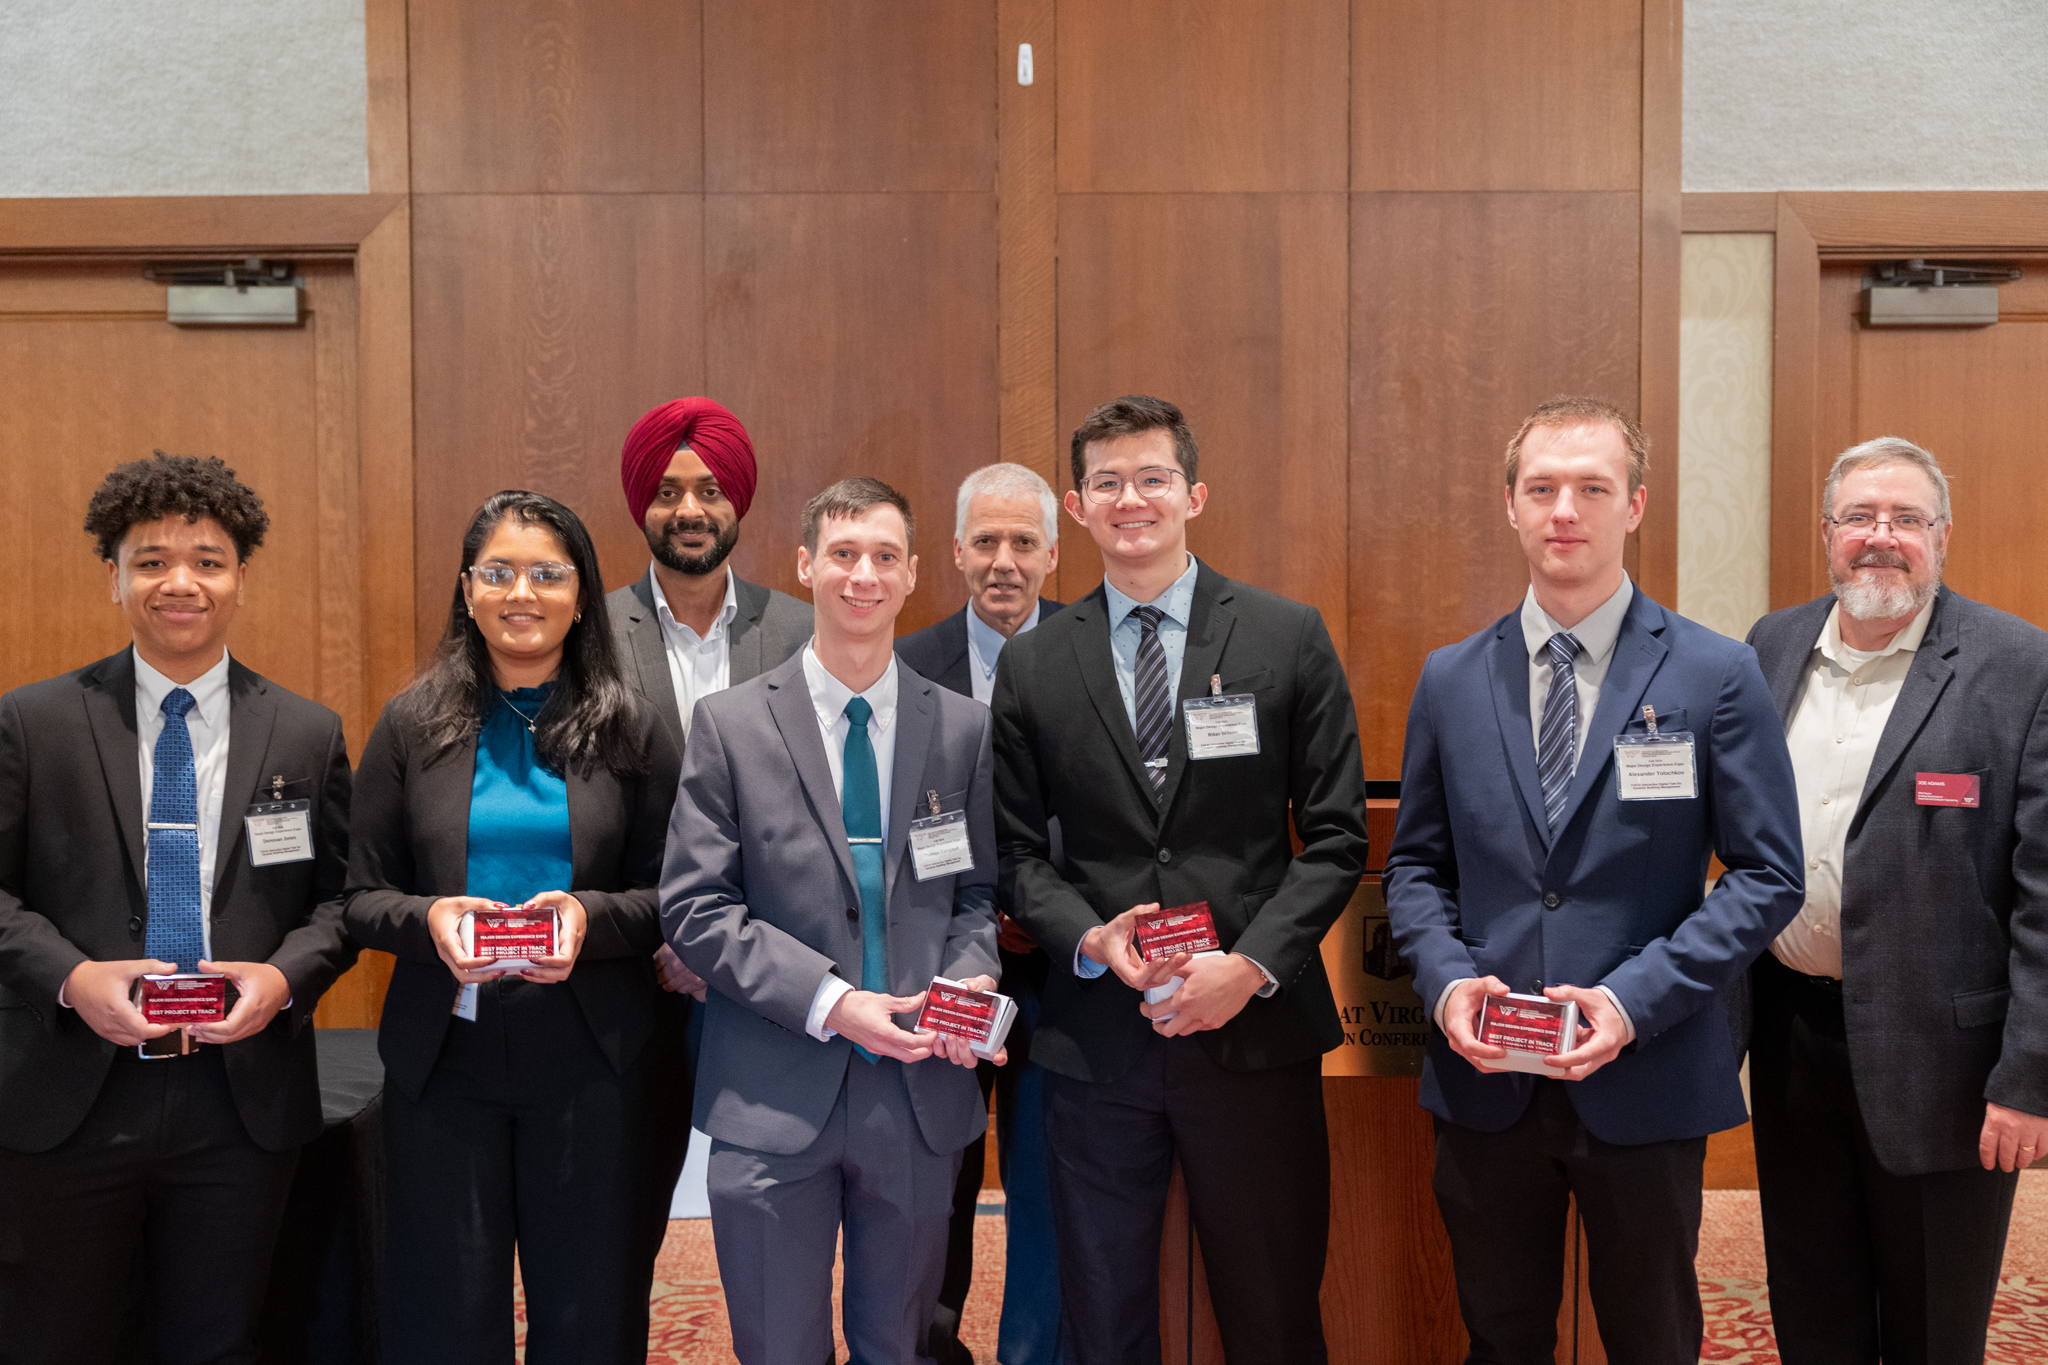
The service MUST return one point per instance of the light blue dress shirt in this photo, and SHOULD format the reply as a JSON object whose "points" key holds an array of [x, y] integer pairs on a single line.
{"points": [[1125, 631], [985, 647]]}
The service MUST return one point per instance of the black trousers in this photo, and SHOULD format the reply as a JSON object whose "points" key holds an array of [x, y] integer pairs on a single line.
{"points": [[525, 1138], [1864, 1264], [161, 1170], [1255, 1150], [1504, 1198]]}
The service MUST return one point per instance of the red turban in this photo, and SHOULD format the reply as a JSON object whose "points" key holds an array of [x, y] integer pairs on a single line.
{"points": [[714, 435]]}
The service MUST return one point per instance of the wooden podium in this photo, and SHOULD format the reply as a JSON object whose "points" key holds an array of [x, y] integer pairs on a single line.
{"points": [[1388, 1293]]}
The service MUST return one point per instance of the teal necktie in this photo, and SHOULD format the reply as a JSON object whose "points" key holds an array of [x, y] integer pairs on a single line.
{"points": [[860, 800]]}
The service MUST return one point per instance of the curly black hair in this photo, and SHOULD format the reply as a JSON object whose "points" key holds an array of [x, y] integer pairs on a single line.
{"points": [[150, 490]]}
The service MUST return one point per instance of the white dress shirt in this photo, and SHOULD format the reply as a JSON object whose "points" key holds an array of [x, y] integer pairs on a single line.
{"points": [[698, 665], [828, 699], [1833, 734], [984, 648], [207, 723]]}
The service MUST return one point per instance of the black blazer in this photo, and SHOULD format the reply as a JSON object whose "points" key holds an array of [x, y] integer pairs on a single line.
{"points": [[1064, 747], [939, 651], [768, 627], [409, 846], [72, 846], [1944, 908]]}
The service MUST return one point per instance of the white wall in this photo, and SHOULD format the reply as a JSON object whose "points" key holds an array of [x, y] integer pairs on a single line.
{"points": [[1833, 95], [143, 97]]}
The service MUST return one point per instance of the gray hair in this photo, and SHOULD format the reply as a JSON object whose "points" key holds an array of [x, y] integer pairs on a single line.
{"points": [[1886, 450], [1008, 480]]}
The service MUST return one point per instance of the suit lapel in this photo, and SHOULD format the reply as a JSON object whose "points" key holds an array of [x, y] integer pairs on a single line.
{"points": [[1507, 665], [789, 702], [110, 709], [251, 717], [743, 639], [1925, 681], [1785, 668], [1098, 674], [1210, 622], [650, 657], [1638, 652], [958, 674], [915, 719]]}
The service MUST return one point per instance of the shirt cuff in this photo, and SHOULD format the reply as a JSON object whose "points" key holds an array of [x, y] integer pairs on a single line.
{"points": [[1437, 1014], [829, 991], [62, 1003], [1272, 983], [1628, 1025], [1087, 968]]}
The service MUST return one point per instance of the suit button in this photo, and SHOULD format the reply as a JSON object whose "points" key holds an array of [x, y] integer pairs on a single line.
{"points": [[1550, 900], [852, 913], [135, 924], [1165, 855]]}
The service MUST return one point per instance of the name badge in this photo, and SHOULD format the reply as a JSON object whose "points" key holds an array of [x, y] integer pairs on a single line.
{"points": [[1655, 767], [280, 832], [939, 846], [1222, 727], [1946, 789]]}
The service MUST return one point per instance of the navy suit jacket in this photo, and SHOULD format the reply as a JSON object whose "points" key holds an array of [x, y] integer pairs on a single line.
{"points": [[1476, 883], [939, 651]]}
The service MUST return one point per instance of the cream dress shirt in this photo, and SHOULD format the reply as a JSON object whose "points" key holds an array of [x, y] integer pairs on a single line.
{"points": [[698, 665]]}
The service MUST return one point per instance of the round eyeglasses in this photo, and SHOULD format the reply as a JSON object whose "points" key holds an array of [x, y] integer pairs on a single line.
{"points": [[1152, 482], [544, 577]]}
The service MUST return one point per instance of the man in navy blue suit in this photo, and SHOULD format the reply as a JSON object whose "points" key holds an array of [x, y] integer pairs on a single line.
{"points": [[1544, 846]]}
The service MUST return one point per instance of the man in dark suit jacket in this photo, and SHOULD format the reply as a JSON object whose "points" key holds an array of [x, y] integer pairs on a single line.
{"points": [[1005, 542], [1224, 1068], [1899, 1050], [1534, 853], [124, 851]]}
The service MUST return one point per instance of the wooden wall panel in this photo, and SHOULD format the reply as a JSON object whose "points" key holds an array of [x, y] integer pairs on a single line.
{"points": [[1467, 311], [544, 325], [555, 96], [1227, 305], [1027, 241], [1164, 95], [808, 95], [1479, 95], [855, 334]]}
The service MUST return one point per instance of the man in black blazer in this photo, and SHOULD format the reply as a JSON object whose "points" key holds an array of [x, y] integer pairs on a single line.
{"points": [[124, 850], [1899, 1049], [1005, 541], [1174, 720]]}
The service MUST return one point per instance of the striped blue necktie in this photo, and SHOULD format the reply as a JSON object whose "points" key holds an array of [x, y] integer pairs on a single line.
{"points": [[176, 933], [1150, 697], [1557, 742], [860, 801]]}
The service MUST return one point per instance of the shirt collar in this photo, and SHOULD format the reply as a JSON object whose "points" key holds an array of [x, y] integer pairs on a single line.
{"points": [[1596, 634], [1907, 641], [668, 618], [209, 691], [829, 695], [1177, 601], [988, 641]]}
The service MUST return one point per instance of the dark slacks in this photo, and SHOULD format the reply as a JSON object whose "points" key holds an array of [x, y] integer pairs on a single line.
{"points": [[1864, 1264], [1504, 1198], [525, 1138], [1256, 1154], [163, 1169]]}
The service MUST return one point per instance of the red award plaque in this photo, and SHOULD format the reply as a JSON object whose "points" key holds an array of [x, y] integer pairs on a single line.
{"points": [[512, 937], [1183, 929], [183, 998], [981, 1017], [1530, 1027]]}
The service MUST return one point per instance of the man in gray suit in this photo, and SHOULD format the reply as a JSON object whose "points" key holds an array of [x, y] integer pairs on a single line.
{"points": [[793, 887], [1899, 1057], [690, 626]]}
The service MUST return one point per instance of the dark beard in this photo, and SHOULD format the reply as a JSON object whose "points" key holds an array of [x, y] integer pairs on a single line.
{"points": [[704, 563]]}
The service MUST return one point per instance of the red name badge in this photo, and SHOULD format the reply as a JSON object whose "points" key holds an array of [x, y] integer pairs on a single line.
{"points": [[1527, 1023], [1182, 929], [513, 935], [1945, 789], [182, 999]]}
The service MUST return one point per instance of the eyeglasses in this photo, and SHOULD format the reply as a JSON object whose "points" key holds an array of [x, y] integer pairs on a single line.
{"points": [[1864, 524], [1152, 483], [544, 577]]}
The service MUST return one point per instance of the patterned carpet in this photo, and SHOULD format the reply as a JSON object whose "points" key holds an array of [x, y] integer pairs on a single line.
{"points": [[690, 1328]]}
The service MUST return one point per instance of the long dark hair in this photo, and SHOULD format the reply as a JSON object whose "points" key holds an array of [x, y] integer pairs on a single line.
{"points": [[589, 720]]}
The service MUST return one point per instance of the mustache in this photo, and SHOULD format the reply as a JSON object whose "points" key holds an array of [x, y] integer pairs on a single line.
{"points": [[702, 526], [1880, 559]]}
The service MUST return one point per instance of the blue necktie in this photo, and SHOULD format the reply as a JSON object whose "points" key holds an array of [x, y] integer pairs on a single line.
{"points": [[860, 801], [176, 933], [1151, 697], [1557, 742]]}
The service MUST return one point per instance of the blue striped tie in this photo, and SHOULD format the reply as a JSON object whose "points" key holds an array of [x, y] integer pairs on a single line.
{"points": [[860, 801], [1557, 742], [176, 933], [1151, 700]]}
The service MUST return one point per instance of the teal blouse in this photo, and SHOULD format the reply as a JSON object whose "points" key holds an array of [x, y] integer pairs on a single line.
{"points": [[518, 807]]}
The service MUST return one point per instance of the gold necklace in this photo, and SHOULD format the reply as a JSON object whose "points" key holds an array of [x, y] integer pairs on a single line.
{"points": [[521, 714]]}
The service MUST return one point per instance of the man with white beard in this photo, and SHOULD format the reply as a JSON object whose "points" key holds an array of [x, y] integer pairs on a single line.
{"points": [[1899, 1052]]}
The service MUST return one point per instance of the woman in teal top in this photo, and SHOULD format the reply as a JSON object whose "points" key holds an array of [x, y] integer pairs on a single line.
{"points": [[545, 1113]]}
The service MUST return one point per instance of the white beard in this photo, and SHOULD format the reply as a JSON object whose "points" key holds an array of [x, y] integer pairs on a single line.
{"points": [[1884, 599]]}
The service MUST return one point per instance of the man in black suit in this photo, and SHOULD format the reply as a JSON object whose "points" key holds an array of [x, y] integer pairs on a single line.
{"points": [[1215, 1058], [1899, 1049], [1005, 541], [124, 850]]}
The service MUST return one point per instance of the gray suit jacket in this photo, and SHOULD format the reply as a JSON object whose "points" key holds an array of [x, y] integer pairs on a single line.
{"points": [[758, 898], [1944, 908], [769, 627]]}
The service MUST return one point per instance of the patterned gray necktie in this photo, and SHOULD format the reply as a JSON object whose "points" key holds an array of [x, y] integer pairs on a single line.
{"points": [[1557, 741], [1154, 705]]}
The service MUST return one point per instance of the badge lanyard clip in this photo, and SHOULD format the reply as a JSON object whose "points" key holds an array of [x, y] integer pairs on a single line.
{"points": [[932, 796], [1215, 684], [1650, 718], [277, 787]]}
